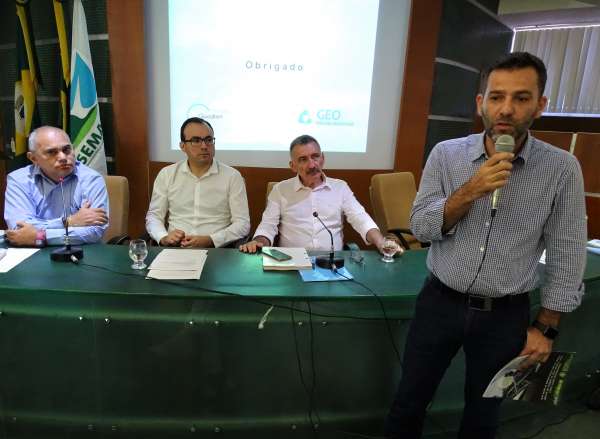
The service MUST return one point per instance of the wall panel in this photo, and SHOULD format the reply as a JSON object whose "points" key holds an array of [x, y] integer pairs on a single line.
{"points": [[592, 205], [560, 139], [587, 151], [126, 31]]}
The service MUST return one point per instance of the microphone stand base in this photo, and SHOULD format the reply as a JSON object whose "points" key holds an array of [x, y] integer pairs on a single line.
{"points": [[325, 262], [64, 254]]}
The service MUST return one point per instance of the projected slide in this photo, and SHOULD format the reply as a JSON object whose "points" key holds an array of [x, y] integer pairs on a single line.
{"points": [[265, 71]]}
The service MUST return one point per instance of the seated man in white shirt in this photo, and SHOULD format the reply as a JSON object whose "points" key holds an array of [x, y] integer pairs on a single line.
{"points": [[203, 200], [291, 204]]}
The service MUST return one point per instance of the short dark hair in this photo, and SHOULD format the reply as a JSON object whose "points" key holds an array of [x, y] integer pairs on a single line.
{"points": [[517, 60], [303, 140], [194, 120]]}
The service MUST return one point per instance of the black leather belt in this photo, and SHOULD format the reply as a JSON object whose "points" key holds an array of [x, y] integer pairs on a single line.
{"points": [[474, 301]]}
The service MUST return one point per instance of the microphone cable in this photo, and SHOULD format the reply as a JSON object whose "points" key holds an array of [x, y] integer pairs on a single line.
{"points": [[485, 251], [310, 392], [384, 313], [396, 350]]}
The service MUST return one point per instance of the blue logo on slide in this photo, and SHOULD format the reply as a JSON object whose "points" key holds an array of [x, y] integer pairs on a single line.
{"points": [[304, 117], [325, 116]]}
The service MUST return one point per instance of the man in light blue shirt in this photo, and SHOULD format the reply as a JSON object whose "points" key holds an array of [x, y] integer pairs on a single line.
{"points": [[484, 256], [35, 204]]}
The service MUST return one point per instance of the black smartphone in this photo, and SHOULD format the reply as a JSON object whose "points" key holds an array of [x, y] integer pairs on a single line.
{"points": [[276, 254]]}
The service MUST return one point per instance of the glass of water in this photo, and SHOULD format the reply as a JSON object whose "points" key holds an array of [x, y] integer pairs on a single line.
{"points": [[389, 249], [138, 252]]}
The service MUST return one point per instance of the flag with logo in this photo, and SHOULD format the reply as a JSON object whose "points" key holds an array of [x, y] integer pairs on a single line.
{"points": [[63, 44], [85, 129], [26, 87]]}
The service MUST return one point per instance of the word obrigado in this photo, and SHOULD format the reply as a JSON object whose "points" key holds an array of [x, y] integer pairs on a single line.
{"points": [[270, 67]]}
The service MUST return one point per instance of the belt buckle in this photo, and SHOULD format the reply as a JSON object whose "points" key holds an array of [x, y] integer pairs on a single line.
{"points": [[480, 303]]}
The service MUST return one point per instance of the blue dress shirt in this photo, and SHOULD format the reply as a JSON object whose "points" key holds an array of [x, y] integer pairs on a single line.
{"points": [[35, 199], [541, 207]]}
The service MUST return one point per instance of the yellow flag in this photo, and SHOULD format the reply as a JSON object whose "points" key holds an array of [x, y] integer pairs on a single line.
{"points": [[26, 86], [63, 43]]}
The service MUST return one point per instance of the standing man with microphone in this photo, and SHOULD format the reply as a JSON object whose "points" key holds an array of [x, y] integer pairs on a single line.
{"points": [[298, 209], [54, 187], [483, 257]]}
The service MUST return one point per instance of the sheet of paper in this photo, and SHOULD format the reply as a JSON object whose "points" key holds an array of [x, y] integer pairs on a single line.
{"points": [[299, 261], [174, 274], [178, 264], [593, 246], [14, 256], [595, 243], [179, 259]]}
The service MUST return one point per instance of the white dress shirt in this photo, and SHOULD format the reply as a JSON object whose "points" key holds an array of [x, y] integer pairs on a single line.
{"points": [[290, 208], [215, 204]]}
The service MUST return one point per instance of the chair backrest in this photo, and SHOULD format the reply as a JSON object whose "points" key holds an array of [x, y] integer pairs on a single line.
{"points": [[118, 198], [392, 197], [269, 189]]}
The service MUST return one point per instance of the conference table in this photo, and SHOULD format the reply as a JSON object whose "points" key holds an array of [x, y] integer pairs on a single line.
{"points": [[96, 349]]}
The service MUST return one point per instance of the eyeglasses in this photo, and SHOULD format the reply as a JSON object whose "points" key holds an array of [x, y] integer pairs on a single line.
{"points": [[195, 141]]}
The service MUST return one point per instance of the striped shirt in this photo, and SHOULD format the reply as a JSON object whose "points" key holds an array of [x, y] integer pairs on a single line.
{"points": [[541, 207]]}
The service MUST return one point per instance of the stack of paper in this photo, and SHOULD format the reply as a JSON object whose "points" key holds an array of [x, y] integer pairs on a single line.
{"points": [[299, 261], [178, 264]]}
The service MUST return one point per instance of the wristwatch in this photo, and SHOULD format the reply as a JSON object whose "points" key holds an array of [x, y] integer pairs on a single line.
{"points": [[546, 330], [40, 238]]}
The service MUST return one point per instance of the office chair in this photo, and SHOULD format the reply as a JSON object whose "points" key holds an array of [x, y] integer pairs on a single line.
{"points": [[118, 199], [392, 196]]}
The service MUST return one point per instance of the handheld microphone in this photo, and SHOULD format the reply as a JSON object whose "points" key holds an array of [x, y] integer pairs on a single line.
{"points": [[66, 253], [504, 143], [330, 262]]}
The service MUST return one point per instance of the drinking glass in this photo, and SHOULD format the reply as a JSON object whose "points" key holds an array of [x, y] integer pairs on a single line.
{"points": [[389, 249], [138, 252]]}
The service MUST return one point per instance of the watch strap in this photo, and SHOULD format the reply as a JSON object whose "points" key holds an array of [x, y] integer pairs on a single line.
{"points": [[546, 330], [40, 238]]}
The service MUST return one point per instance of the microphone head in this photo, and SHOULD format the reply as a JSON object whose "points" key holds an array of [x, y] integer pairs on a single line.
{"points": [[315, 214], [505, 143]]}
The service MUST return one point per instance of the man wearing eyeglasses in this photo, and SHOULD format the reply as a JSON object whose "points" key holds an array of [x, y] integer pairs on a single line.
{"points": [[198, 202], [54, 189]]}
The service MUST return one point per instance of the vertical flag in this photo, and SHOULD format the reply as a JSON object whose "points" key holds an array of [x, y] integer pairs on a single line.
{"points": [[61, 31], [85, 128], [26, 86]]}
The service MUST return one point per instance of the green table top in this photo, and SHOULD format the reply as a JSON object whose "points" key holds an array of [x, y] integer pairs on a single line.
{"points": [[105, 269]]}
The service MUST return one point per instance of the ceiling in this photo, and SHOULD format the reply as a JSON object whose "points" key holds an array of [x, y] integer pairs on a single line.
{"points": [[517, 13], [520, 6]]}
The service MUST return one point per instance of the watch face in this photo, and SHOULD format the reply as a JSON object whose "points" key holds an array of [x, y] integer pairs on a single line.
{"points": [[547, 331], [550, 332]]}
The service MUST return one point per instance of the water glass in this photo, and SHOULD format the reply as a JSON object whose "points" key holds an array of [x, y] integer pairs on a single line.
{"points": [[138, 252], [389, 249]]}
